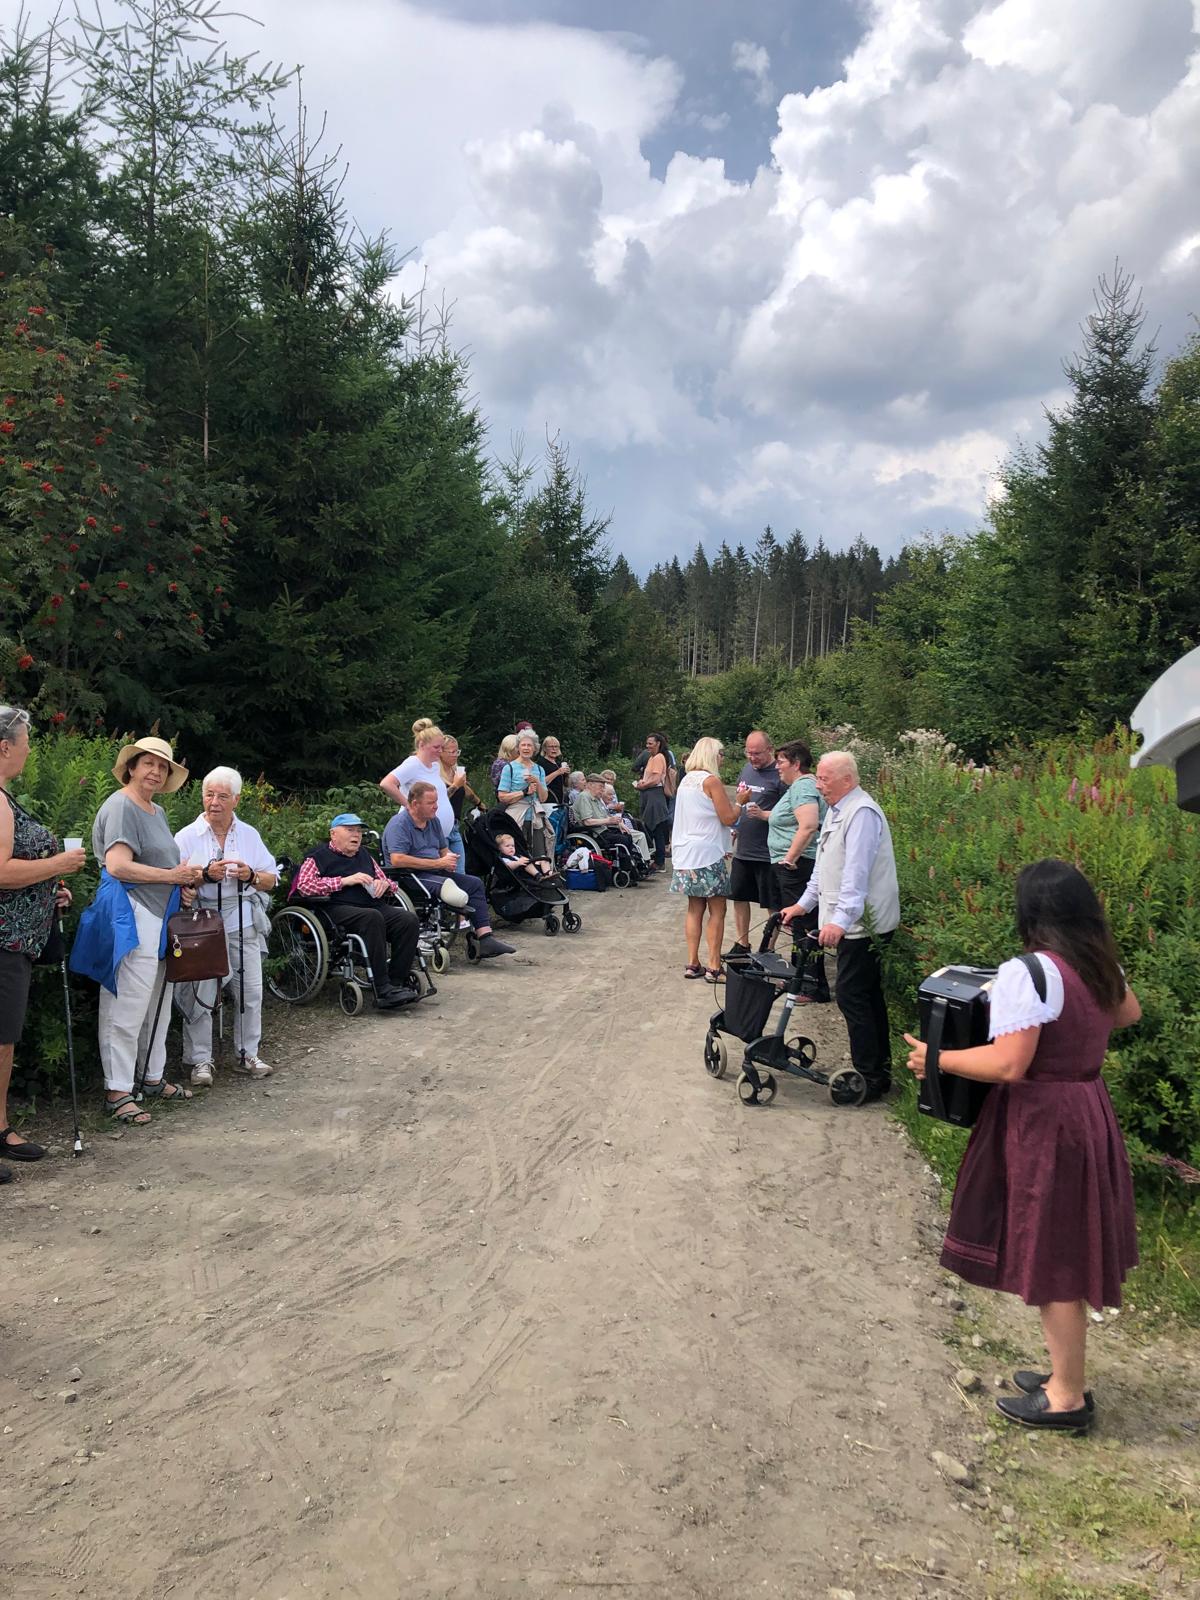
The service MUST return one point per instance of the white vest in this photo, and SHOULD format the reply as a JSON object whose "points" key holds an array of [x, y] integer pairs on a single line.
{"points": [[883, 892]]}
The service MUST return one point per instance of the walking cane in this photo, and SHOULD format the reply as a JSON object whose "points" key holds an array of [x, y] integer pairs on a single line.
{"points": [[62, 939], [241, 976]]}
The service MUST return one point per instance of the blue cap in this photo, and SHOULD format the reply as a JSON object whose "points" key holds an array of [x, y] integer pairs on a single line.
{"points": [[347, 819]]}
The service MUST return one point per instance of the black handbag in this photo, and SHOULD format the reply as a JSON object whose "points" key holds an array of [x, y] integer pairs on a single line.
{"points": [[955, 1011]]}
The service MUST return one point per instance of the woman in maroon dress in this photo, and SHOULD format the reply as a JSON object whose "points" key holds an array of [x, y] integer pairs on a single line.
{"points": [[1043, 1206]]}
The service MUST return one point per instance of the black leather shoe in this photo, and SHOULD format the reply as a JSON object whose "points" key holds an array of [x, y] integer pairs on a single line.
{"points": [[1033, 1411], [19, 1152], [1029, 1382], [877, 1088], [736, 950], [391, 999], [490, 946]]}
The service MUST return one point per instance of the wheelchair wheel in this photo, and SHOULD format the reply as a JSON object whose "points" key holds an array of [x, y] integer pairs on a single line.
{"points": [[439, 959], [803, 1049], [716, 1057], [552, 925], [847, 1087], [622, 878], [297, 955], [350, 997], [472, 949], [572, 922], [747, 1092]]}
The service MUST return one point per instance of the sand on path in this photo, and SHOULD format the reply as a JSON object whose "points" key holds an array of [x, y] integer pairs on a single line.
{"points": [[503, 1296]]}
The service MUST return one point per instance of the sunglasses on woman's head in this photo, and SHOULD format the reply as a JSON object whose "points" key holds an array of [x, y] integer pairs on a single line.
{"points": [[11, 719]]}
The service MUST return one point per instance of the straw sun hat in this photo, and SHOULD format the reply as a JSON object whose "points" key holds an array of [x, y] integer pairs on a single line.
{"points": [[151, 746]]}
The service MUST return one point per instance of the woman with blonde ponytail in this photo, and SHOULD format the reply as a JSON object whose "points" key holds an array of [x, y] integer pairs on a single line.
{"points": [[425, 764]]}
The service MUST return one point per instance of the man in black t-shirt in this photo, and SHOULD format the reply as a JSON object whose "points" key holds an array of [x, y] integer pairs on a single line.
{"points": [[751, 880]]}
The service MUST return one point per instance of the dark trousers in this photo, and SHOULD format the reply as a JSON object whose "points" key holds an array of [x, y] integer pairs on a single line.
{"points": [[792, 882], [658, 838], [860, 1000], [381, 927], [470, 885]]}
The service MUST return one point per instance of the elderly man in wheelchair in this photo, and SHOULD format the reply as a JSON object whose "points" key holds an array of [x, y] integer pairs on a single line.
{"points": [[341, 885], [415, 845]]}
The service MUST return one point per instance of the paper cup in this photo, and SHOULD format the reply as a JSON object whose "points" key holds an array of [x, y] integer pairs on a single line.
{"points": [[72, 844]]}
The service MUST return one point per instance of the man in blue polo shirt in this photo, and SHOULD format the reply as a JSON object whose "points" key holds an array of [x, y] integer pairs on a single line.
{"points": [[414, 839]]}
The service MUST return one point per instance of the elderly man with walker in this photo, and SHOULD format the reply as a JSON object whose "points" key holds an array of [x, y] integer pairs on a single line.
{"points": [[854, 887]]}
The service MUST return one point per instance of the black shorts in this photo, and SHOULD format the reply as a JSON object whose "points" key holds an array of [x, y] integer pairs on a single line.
{"points": [[15, 972], [754, 881]]}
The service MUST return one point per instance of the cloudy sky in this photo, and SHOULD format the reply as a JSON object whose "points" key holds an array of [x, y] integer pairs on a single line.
{"points": [[807, 262]]}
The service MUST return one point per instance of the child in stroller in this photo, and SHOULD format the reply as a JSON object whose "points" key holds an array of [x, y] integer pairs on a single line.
{"points": [[514, 894], [507, 847]]}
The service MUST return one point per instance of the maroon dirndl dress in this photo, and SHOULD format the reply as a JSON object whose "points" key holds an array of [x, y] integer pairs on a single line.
{"points": [[1043, 1205]]}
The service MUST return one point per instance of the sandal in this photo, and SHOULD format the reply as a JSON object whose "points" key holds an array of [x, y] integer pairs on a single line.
{"points": [[120, 1112], [691, 971], [714, 975], [162, 1090]]}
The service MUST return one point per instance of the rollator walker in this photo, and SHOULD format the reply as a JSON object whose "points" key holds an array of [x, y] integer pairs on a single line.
{"points": [[753, 983]]}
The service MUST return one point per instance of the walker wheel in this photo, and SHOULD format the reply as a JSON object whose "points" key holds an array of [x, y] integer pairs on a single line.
{"points": [[439, 958], [351, 997], [847, 1087], [552, 925], [572, 921], [747, 1091], [716, 1057], [804, 1050]]}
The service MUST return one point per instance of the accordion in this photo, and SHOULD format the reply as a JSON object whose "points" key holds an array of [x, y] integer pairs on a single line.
{"points": [[955, 1011]]}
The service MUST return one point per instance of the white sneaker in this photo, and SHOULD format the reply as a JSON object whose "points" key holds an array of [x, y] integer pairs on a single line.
{"points": [[253, 1067], [202, 1075]]}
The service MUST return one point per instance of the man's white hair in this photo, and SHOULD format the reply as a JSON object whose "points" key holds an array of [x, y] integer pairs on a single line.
{"points": [[223, 778], [843, 760]]}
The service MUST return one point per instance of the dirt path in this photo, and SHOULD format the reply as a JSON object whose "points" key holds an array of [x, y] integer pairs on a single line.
{"points": [[502, 1297]]}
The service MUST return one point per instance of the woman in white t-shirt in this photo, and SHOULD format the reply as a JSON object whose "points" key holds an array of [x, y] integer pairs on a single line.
{"points": [[699, 845], [425, 763]]}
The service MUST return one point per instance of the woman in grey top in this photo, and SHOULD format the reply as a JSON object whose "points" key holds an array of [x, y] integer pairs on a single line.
{"points": [[132, 837]]}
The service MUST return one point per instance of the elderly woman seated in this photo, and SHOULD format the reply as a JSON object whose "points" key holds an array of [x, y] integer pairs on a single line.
{"points": [[576, 784], [620, 816], [414, 840]]}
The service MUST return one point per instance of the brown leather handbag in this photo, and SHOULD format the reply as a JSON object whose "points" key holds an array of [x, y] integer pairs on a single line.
{"points": [[196, 948]]}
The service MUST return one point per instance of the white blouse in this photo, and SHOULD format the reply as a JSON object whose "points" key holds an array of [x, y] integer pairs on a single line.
{"points": [[1015, 1004]]}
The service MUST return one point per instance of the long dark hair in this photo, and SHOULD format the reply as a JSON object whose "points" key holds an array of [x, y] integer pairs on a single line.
{"points": [[1058, 910], [663, 747]]}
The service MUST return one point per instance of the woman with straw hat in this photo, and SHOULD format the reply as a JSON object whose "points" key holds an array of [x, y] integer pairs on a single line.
{"points": [[133, 839]]}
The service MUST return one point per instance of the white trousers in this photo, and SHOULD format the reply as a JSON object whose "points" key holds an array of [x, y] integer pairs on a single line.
{"points": [[640, 842], [198, 1018], [126, 1017]]}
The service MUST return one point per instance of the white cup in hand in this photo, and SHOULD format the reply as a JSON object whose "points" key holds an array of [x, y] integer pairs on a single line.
{"points": [[72, 844]]}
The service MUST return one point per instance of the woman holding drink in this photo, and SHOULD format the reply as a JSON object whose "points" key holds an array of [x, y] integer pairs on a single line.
{"points": [[236, 866], [31, 865]]}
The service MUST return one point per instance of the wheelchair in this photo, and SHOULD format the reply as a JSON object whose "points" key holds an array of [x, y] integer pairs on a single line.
{"points": [[306, 948], [615, 843]]}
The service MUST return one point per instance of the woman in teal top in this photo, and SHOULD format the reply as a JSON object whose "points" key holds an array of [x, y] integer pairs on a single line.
{"points": [[792, 831]]}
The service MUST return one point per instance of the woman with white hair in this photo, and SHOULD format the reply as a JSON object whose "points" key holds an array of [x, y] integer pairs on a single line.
{"points": [[522, 791], [699, 844], [230, 853]]}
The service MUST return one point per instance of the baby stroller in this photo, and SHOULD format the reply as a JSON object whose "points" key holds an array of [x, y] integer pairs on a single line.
{"points": [[753, 983], [513, 894]]}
